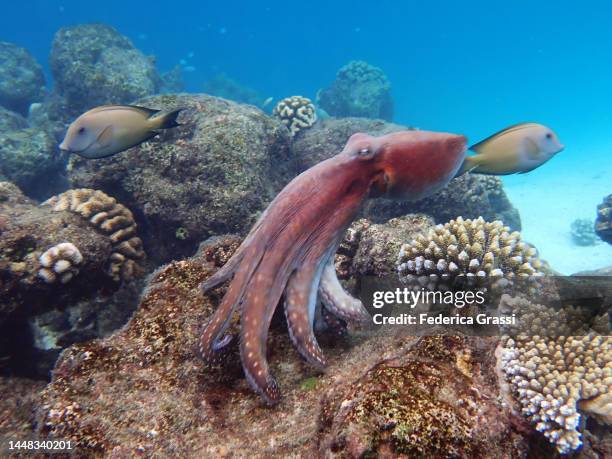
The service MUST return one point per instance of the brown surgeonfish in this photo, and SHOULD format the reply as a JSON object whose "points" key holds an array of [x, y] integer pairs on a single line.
{"points": [[517, 149], [110, 129]]}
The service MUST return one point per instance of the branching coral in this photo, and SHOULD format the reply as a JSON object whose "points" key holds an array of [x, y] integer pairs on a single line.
{"points": [[296, 112], [60, 261], [556, 376], [468, 252], [111, 218]]}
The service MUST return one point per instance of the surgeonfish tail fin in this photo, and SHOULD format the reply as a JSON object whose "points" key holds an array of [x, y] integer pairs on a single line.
{"points": [[469, 164], [168, 120]]}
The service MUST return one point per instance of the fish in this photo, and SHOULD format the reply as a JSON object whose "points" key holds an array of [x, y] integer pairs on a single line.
{"points": [[110, 129], [518, 149]]}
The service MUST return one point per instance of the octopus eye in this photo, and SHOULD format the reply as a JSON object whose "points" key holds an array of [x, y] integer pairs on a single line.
{"points": [[364, 152]]}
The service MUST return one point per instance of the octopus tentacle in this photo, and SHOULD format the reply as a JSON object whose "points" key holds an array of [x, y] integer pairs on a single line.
{"points": [[300, 304], [339, 301]]}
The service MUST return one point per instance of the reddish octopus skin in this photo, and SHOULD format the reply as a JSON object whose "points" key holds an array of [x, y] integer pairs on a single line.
{"points": [[296, 237]]}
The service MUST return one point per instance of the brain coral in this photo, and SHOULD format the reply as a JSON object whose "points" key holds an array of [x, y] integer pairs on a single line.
{"points": [[555, 378], [114, 220], [296, 112], [61, 261], [468, 252]]}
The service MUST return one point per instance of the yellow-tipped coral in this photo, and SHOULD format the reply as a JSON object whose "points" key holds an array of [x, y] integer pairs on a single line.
{"points": [[112, 219], [468, 252], [296, 112], [60, 262]]}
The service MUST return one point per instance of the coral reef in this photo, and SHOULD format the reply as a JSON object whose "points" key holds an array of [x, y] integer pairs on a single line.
{"points": [[60, 262], [222, 86], [360, 90], [111, 218], [603, 223], [148, 376], [211, 175], [468, 253], [470, 195], [296, 112], [44, 305], [556, 376], [172, 81], [22, 81], [11, 121], [93, 64], [29, 158], [583, 232]]}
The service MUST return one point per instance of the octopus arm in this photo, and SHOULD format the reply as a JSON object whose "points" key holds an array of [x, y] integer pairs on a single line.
{"points": [[337, 300]]}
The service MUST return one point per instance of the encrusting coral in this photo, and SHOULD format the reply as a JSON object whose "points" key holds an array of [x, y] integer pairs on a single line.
{"points": [[60, 262], [296, 112], [113, 219], [468, 252], [556, 376]]}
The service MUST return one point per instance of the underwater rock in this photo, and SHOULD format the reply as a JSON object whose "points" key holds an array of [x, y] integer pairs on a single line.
{"points": [[211, 175], [583, 232], [54, 272], [11, 121], [93, 64], [148, 376], [29, 158], [469, 195], [296, 112], [603, 223], [359, 90], [16, 407], [223, 86], [172, 81], [22, 81]]}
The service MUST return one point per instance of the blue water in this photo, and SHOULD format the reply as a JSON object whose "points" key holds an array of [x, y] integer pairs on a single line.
{"points": [[470, 67]]}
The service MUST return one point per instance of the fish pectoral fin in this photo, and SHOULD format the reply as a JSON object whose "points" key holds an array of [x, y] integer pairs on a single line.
{"points": [[106, 137], [470, 163], [531, 148]]}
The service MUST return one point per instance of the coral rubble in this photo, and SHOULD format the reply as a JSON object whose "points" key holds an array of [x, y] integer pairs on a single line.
{"points": [[93, 64], [211, 175], [22, 81], [468, 253], [603, 223], [360, 90], [296, 112]]}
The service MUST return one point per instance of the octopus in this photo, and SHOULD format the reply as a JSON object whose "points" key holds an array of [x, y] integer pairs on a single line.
{"points": [[291, 248]]}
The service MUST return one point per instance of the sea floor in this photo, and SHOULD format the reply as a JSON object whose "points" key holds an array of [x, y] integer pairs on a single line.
{"points": [[550, 199]]}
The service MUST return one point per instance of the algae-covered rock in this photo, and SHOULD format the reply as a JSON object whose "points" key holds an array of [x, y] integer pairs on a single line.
{"points": [[93, 64], [22, 81], [211, 175], [603, 222], [361, 90], [222, 86], [470, 195], [11, 121], [29, 158]]}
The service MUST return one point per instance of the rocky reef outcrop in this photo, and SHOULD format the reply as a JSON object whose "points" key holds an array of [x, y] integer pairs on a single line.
{"points": [[58, 271], [22, 81], [11, 121], [211, 175], [469, 195], [93, 64], [223, 86], [603, 223], [359, 90]]}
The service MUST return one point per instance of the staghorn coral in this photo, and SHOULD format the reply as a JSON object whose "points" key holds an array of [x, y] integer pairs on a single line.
{"points": [[60, 262], [296, 112], [583, 233], [360, 90], [468, 252], [558, 368], [111, 218], [603, 223]]}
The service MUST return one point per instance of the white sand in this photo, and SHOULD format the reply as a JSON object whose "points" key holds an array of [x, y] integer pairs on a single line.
{"points": [[550, 198]]}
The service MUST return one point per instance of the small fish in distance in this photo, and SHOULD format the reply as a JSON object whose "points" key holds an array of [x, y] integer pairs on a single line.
{"points": [[517, 149], [109, 129]]}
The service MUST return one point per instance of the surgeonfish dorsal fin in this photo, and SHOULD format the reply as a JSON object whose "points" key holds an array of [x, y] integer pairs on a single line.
{"points": [[148, 112], [515, 127]]}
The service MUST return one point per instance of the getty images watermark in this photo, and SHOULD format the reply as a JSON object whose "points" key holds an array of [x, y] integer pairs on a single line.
{"points": [[409, 298]]}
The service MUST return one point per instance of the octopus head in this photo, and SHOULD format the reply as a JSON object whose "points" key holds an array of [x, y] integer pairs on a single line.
{"points": [[408, 165]]}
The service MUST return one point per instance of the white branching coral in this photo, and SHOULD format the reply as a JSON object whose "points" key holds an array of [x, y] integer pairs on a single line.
{"points": [[296, 112], [60, 262], [556, 377], [466, 252], [112, 219]]}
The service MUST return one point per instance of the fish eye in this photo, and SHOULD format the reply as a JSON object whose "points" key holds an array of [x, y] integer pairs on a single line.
{"points": [[81, 130], [549, 135]]}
